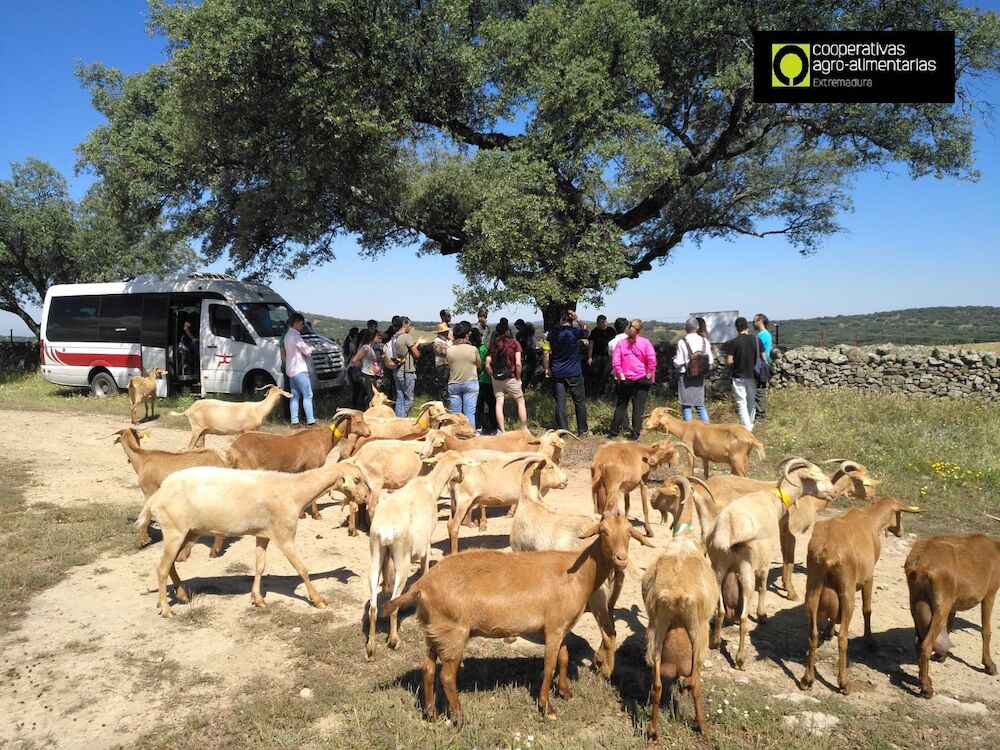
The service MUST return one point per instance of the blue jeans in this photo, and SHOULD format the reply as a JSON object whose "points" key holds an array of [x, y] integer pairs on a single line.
{"points": [[463, 398], [702, 413], [405, 382], [302, 390]]}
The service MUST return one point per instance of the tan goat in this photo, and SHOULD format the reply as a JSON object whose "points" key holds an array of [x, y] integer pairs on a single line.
{"points": [[380, 406], [152, 466], [142, 390], [620, 468], [945, 575], [298, 451], [680, 592], [212, 417], [841, 561], [240, 502], [743, 537], [722, 443], [397, 428], [494, 594]]}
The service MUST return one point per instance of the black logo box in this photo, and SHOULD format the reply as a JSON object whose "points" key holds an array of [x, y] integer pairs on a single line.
{"points": [[887, 87]]}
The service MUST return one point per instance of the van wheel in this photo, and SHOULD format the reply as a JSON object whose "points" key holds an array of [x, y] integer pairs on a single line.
{"points": [[254, 381], [102, 384]]}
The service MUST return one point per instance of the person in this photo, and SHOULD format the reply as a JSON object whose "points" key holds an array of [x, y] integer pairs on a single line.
{"points": [[405, 374], [463, 373], [484, 330], [297, 353], [599, 357], [702, 328], [446, 317], [760, 322], [442, 342], [485, 415], [389, 383], [529, 357], [562, 364], [634, 366], [620, 325], [350, 348], [691, 388], [505, 348], [188, 347], [741, 355], [369, 365], [286, 384]]}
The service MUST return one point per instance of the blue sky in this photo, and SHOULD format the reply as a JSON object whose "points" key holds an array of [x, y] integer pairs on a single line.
{"points": [[907, 244]]}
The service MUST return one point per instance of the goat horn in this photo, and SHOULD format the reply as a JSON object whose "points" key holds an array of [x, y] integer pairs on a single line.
{"points": [[686, 449], [529, 459], [566, 433], [795, 462], [703, 484], [995, 518]]}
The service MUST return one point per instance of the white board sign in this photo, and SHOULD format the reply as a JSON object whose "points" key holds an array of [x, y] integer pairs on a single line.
{"points": [[721, 324]]}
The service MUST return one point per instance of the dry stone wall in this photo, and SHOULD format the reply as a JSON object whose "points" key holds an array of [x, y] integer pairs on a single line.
{"points": [[941, 371]]}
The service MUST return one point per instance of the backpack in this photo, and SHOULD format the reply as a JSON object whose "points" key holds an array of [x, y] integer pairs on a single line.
{"points": [[698, 362], [389, 358], [501, 369]]}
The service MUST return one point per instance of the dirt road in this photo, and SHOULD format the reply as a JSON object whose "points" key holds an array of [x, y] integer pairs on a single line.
{"points": [[93, 662]]}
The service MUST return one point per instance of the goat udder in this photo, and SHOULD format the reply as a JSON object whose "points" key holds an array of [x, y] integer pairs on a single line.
{"points": [[731, 595], [677, 659]]}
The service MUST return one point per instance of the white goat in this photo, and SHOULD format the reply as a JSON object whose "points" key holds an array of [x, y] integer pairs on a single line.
{"points": [[213, 417]]}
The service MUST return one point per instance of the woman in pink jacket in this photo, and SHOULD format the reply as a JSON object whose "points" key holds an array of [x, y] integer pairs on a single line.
{"points": [[633, 363]]}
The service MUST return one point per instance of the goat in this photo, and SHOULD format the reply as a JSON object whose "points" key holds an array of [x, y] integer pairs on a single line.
{"points": [[153, 466], [401, 530], [618, 468], [840, 561], [240, 502], [680, 593], [494, 483], [212, 417], [397, 428], [495, 594], [848, 478], [380, 406], [743, 536], [945, 575], [297, 452], [142, 390], [722, 443]]}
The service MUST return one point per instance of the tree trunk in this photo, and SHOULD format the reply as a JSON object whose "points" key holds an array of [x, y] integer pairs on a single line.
{"points": [[552, 313], [23, 315]]}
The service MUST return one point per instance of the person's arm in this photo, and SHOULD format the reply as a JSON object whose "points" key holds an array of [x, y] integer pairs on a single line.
{"points": [[590, 352], [517, 364], [489, 365], [650, 361], [616, 362], [680, 356]]}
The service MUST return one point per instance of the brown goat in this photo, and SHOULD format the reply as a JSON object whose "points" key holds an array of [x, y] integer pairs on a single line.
{"points": [[297, 452], [142, 390], [949, 574], [619, 468], [841, 561], [722, 443], [495, 594]]}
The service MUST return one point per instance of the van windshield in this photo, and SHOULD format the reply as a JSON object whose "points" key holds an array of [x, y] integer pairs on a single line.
{"points": [[267, 318]]}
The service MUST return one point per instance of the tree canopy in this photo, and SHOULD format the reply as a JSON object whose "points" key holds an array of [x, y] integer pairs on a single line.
{"points": [[48, 238], [554, 147]]}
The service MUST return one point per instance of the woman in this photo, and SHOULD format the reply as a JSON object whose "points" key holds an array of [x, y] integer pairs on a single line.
{"points": [[350, 348], [485, 416], [463, 363], [702, 328], [691, 388], [366, 359], [503, 363], [633, 363], [297, 355]]}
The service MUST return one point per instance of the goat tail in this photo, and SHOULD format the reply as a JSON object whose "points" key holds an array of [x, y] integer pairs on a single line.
{"points": [[179, 413], [759, 448], [406, 600], [145, 516]]}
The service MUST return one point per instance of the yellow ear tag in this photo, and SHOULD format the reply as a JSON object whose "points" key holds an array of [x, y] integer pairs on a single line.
{"points": [[144, 436], [783, 496], [914, 508], [336, 431]]}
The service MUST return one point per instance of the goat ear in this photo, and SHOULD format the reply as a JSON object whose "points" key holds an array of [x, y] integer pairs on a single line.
{"points": [[640, 537], [591, 531], [144, 436]]}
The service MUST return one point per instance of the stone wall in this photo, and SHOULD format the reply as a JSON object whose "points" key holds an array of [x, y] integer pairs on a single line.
{"points": [[939, 371]]}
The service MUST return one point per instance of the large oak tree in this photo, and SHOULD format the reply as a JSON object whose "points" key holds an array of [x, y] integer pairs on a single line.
{"points": [[554, 147]]}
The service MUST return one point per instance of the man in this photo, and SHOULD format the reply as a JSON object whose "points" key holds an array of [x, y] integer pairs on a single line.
{"points": [[529, 357], [405, 375], [446, 317], [297, 353], [620, 325], [442, 342], [598, 357], [562, 364], [760, 322], [741, 355], [484, 330], [389, 381]]}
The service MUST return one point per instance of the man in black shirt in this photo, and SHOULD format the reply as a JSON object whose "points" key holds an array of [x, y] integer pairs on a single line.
{"points": [[598, 358], [742, 354]]}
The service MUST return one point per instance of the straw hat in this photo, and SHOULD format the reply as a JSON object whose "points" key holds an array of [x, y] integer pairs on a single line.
{"points": [[441, 328]]}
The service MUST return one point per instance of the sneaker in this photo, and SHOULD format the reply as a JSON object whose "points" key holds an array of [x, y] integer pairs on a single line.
{"points": [[585, 434]]}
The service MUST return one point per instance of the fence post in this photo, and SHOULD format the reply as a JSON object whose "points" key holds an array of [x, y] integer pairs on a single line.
{"points": [[822, 339], [855, 338]]}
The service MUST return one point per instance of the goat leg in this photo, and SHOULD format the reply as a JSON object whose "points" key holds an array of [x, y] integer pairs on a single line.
{"points": [[987, 611], [813, 591], [698, 633], [866, 610], [644, 493], [429, 670], [562, 685], [655, 693], [449, 670], [553, 642], [216, 546], [788, 564], [288, 549], [255, 595], [846, 612]]}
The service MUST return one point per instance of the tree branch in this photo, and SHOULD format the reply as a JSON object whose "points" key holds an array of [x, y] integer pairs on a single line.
{"points": [[466, 134]]}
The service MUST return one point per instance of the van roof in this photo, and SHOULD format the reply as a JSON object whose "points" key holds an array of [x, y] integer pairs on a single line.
{"points": [[229, 287]]}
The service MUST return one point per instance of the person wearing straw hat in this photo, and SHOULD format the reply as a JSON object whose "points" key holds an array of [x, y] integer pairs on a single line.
{"points": [[442, 342]]}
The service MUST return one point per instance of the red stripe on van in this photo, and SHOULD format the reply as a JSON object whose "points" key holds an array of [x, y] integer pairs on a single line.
{"points": [[100, 360]]}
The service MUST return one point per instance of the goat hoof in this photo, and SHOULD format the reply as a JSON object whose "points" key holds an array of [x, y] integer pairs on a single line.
{"points": [[805, 683], [761, 618], [259, 602], [394, 643], [510, 513], [739, 663], [927, 692], [939, 657], [792, 595], [302, 514], [352, 533], [319, 602], [566, 693], [166, 612], [845, 689], [369, 650], [991, 668], [317, 516], [182, 596]]}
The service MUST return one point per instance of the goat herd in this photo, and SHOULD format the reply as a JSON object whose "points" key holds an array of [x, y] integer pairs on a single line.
{"points": [[724, 531]]}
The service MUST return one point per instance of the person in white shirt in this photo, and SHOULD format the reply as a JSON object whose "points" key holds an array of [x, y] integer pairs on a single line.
{"points": [[620, 325], [690, 389], [297, 353]]}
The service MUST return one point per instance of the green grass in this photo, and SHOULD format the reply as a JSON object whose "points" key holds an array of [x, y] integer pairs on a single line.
{"points": [[40, 543]]}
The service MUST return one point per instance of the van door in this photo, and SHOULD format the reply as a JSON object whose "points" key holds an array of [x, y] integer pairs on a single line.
{"points": [[228, 351], [153, 339]]}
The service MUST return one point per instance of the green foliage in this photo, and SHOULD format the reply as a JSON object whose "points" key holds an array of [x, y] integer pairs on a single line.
{"points": [[555, 147], [47, 238]]}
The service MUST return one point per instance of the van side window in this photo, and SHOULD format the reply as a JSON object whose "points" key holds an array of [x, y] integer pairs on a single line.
{"points": [[121, 317], [73, 318], [221, 321]]}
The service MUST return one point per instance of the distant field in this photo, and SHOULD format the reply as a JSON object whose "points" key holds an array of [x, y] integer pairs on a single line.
{"points": [[990, 346]]}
